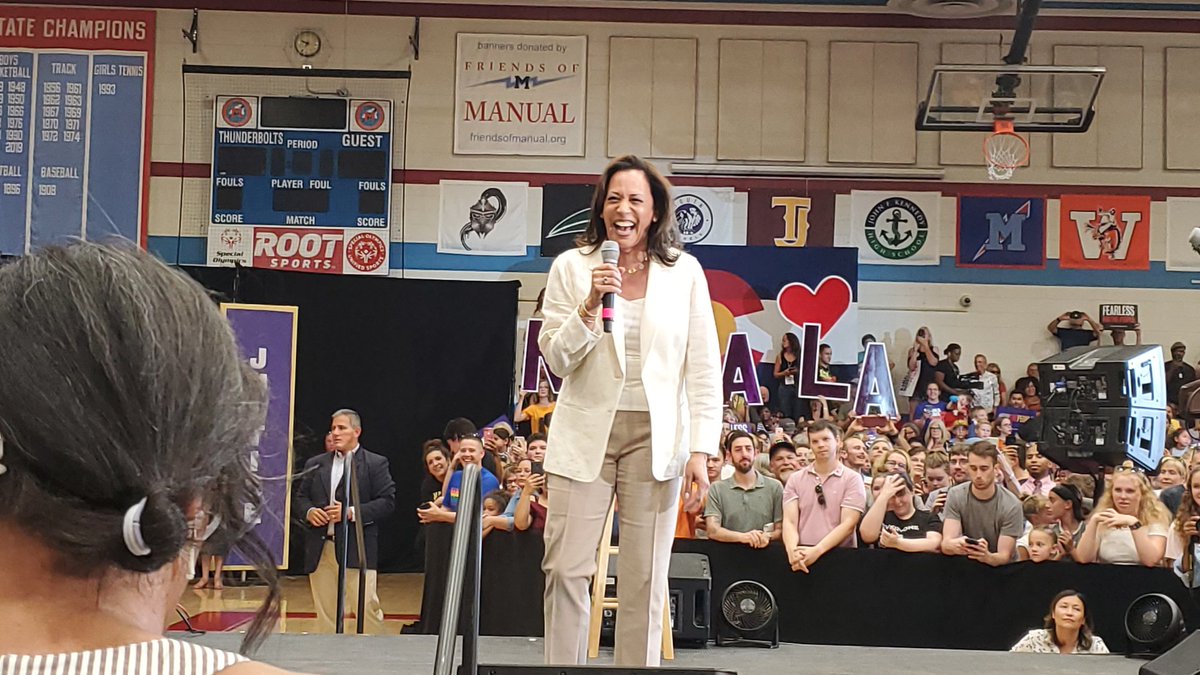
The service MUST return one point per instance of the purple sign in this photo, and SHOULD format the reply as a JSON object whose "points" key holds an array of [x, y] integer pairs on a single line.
{"points": [[533, 365], [267, 337]]}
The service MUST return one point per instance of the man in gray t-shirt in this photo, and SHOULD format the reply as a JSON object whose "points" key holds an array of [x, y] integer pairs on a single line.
{"points": [[983, 512], [747, 507]]}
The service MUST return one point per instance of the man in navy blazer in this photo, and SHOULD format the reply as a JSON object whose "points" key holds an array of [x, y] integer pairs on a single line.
{"points": [[320, 500]]}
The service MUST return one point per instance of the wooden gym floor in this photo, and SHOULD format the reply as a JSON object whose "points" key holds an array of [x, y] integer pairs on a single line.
{"points": [[231, 609]]}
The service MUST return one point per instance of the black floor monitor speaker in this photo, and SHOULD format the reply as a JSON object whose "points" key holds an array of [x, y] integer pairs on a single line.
{"points": [[689, 584], [1182, 659]]}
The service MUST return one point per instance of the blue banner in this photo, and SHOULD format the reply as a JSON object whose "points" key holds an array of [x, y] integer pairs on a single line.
{"points": [[1007, 232], [267, 337]]}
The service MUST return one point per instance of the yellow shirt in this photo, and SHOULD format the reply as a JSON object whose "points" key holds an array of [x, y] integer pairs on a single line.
{"points": [[536, 413]]}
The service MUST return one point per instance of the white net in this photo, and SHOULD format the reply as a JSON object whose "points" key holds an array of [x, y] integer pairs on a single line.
{"points": [[1004, 151]]}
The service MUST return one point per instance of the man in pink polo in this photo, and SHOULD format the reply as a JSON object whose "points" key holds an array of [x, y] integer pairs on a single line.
{"points": [[822, 503]]}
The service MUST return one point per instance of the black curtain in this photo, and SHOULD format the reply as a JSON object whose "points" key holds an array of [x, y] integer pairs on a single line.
{"points": [[407, 354]]}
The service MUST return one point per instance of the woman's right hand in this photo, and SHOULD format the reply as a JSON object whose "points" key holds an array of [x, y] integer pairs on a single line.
{"points": [[606, 278], [534, 483]]}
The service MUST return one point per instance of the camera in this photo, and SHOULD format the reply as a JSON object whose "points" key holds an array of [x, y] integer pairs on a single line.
{"points": [[965, 300], [1076, 315], [970, 382]]}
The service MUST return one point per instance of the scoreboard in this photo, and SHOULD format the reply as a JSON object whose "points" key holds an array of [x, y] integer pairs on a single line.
{"points": [[301, 183]]}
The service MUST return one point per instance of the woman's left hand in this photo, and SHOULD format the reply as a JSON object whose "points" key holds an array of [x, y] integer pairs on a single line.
{"points": [[695, 482]]}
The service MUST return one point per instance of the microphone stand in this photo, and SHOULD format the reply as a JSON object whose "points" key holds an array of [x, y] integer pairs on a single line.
{"points": [[362, 551], [344, 553]]}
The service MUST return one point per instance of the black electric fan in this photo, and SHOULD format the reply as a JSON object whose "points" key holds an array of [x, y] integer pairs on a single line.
{"points": [[750, 616], [1153, 624]]}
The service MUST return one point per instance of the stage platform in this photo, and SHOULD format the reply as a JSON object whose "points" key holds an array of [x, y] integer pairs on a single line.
{"points": [[410, 654]]}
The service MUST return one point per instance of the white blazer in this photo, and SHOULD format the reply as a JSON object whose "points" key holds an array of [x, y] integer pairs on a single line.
{"points": [[680, 367]]}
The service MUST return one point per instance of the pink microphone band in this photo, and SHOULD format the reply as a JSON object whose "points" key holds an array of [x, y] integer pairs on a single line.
{"points": [[608, 313]]}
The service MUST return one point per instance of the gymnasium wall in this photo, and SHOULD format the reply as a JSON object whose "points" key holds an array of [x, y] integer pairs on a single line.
{"points": [[841, 90]]}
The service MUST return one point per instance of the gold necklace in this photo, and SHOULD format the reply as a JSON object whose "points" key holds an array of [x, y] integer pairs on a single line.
{"points": [[634, 269]]}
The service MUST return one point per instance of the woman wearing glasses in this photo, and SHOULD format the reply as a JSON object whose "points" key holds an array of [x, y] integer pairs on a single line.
{"points": [[1128, 526], [127, 418]]}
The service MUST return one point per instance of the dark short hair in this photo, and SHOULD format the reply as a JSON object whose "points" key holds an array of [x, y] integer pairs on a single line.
{"points": [[953, 346], [433, 445], [1070, 493], [985, 449], [662, 239], [735, 435], [457, 428], [825, 425], [536, 437]]}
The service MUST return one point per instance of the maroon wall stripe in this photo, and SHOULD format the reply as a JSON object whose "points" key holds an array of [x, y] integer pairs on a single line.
{"points": [[743, 183], [725, 17]]}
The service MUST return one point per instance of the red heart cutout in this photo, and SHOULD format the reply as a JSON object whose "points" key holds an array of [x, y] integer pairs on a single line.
{"points": [[799, 304]]}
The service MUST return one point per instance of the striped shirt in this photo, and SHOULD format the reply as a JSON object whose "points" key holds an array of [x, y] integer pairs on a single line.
{"points": [[158, 657]]}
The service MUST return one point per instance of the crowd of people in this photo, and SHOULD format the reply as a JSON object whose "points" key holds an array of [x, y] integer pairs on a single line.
{"points": [[952, 478]]}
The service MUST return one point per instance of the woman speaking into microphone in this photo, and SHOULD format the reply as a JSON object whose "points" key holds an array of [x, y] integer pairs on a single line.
{"points": [[638, 414]]}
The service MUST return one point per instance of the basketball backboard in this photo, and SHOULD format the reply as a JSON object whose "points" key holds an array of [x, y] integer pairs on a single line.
{"points": [[1059, 99]]}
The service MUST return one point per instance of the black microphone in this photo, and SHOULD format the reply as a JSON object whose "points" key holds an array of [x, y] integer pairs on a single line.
{"points": [[609, 252]]}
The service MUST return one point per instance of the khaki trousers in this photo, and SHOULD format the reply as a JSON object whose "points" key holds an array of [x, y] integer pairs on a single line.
{"points": [[575, 517], [323, 583]]}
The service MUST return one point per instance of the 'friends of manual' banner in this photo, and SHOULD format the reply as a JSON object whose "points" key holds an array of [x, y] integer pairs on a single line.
{"points": [[520, 94]]}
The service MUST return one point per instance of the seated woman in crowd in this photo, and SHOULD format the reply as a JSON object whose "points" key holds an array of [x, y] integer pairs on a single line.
{"points": [[436, 459], [896, 460], [936, 436], [1068, 629], [909, 433], [1066, 509], [1170, 473], [894, 521], [535, 411], [531, 508], [1128, 526], [127, 414], [1181, 544]]}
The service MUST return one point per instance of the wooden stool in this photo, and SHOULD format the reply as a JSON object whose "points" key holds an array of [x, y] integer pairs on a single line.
{"points": [[601, 603]]}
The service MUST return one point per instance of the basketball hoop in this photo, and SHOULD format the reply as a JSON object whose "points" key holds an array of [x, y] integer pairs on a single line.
{"points": [[1004, 150]]}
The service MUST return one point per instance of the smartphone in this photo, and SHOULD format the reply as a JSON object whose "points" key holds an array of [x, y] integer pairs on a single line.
{"points": [[488, 434], [974, 542], [536, 467], [425, 505]]}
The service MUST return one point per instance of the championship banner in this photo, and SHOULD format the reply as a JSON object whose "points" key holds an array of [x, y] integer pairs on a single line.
{"points": [[566, 210], [1001, 232], [1183, 234], [75, 99], [1104, 232], [896, 228], [783, 217], [267, 337], [705, 216], [520, 94], [483, 218]]}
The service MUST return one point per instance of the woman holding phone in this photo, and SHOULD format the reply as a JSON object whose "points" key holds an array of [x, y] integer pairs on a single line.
{"points": [[1183, 541]]}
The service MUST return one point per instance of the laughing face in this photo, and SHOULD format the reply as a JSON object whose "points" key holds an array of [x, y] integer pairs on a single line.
{"points": [[628, 209]]}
